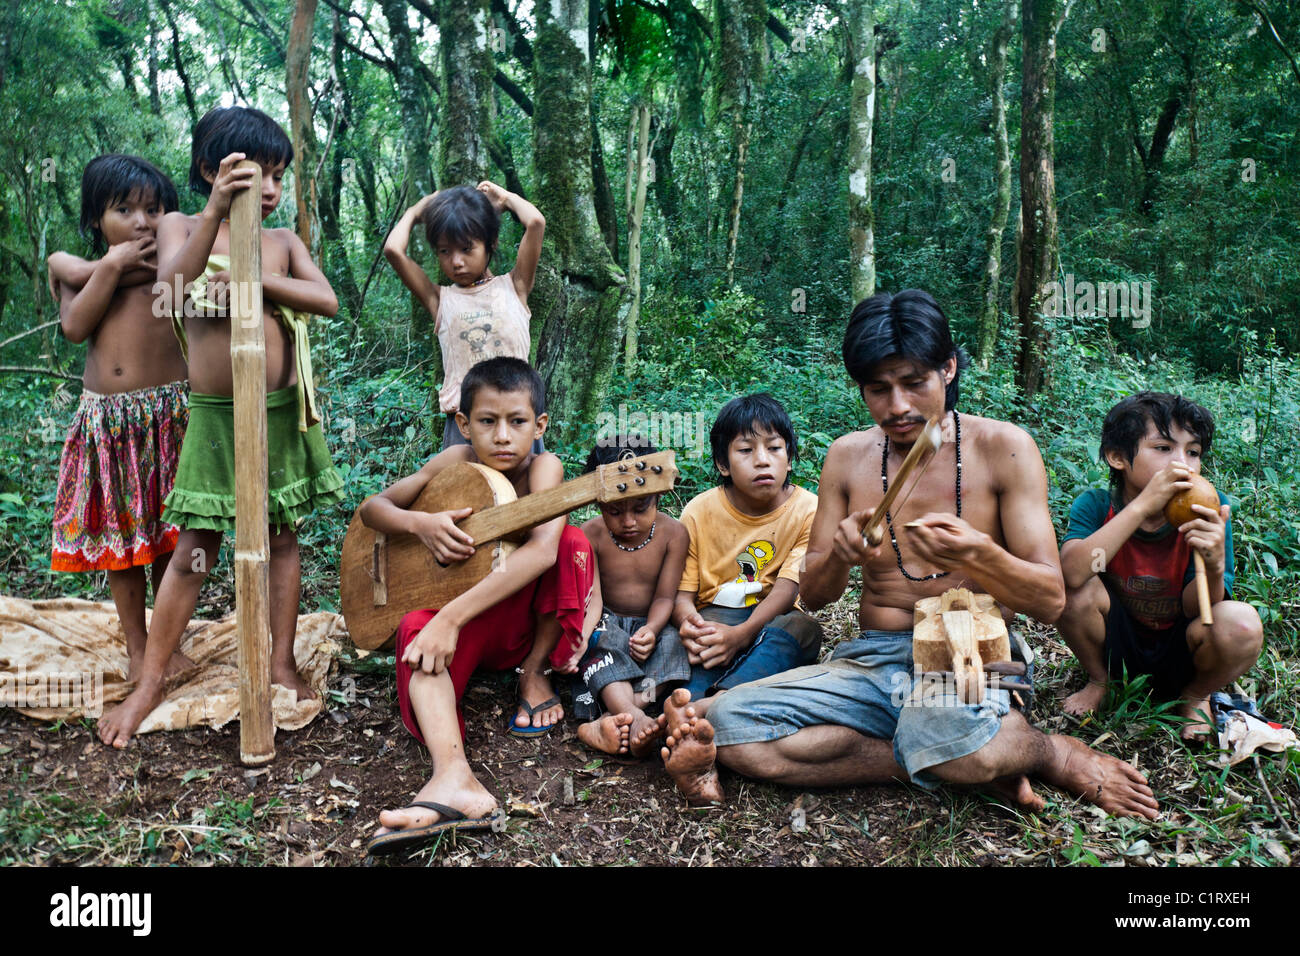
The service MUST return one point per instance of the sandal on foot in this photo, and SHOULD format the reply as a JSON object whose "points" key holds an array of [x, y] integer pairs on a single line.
{"points": [[516, 731], [450, 819]]}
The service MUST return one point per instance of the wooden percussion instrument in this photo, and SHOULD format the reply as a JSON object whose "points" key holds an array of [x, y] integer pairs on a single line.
{"points": [[961, 632], [1178, 512], [383, 577]]}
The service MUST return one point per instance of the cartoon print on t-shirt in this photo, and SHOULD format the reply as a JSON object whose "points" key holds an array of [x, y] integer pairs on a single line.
{"points": [[744, 590], [477, 336]]}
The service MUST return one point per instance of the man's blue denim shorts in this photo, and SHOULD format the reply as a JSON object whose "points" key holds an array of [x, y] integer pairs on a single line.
{"points": [[867, 685]]}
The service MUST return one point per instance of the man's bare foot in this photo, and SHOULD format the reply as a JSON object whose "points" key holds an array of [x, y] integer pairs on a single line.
{"points": [[645, 732], [460, 790], [118, 724], [608, 734], [1111, 784], [286, 676], [1085, 701], [1196, 712], [534, 688], [690, 759], [1019, 792]]}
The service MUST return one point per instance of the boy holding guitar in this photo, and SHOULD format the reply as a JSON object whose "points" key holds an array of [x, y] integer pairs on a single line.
{"points": [[550, 578]]}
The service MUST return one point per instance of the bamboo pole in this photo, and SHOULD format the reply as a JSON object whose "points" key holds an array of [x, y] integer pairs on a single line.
{"points": [[252, 543]]}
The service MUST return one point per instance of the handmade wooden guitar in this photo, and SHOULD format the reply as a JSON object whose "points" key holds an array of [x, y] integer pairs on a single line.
{"points": [[382, 577]]}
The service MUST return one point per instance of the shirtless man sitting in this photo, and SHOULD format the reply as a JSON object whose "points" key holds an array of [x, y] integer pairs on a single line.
{"points": [[848, 720]]}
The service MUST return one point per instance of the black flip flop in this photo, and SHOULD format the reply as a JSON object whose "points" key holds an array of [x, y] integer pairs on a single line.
{"points": [[451, 819]]}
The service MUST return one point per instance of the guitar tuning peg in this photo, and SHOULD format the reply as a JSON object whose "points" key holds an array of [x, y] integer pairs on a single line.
{"points": [[640, 466], [622, 469], [640, 480], [656, 468], [621, 486]]}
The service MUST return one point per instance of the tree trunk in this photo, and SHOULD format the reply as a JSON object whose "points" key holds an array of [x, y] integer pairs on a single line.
{"points": [[413, 102], [334, 250], [1039, 252], [604, 192], [155, 98], [739, 64], [178, 61], [297, 63], [667, 195], [579, 286], [862, 114], [635, 212], [467, 71], [997, 75]]}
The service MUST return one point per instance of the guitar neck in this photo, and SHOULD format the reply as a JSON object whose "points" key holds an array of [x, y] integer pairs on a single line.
{"points": [[501, 521]]}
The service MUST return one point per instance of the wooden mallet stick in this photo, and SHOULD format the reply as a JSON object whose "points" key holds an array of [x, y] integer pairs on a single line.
{"points": [[252, 543], [1178, 512], [930, 439]]}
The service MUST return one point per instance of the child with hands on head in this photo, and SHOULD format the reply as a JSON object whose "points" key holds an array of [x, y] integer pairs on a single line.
{"points": [[479, 315]]}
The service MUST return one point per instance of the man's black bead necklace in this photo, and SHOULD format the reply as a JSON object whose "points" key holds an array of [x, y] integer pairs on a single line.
{"points": [[884, 483]]}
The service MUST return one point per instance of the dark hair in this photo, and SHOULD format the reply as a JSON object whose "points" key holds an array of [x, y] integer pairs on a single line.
{"points": [[235, 129], [109, 179], [618, 448], [747, 416], [462, 214], [504, 374], [909, 324], [1126, 424]]}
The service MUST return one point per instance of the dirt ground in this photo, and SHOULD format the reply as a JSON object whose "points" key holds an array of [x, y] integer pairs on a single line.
{"points": [[183, 798]]}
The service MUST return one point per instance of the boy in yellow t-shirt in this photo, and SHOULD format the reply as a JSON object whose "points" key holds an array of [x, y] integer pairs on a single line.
{"points": [[735, 608]]}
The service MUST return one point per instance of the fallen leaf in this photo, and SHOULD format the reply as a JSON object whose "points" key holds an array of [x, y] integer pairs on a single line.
{"points": [[310, 772], [336, 782]]}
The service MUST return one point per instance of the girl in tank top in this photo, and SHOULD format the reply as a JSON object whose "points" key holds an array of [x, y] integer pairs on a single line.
{"points": [[480, 315]]}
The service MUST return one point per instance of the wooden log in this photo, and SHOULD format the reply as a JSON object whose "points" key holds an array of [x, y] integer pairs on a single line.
{"points": [[252, 542]]}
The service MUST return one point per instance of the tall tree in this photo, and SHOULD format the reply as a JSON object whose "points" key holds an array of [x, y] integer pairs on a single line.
{"points": [[740, 60], [1039, 250], [413, 101], [991, 276], [579, 286], [862, 116], [467, 104], [297, 64]]}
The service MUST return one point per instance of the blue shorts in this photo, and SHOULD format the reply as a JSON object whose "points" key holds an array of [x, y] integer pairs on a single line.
{"points": [[867, 685]]}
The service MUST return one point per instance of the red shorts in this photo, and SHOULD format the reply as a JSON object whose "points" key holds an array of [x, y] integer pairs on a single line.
{"points": [[501, 637]]}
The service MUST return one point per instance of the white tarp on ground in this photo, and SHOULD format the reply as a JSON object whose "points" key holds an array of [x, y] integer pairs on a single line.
{"points": [[66, 659]]}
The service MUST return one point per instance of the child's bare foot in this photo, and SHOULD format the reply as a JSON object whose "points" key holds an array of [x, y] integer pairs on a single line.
{"points": [[286, 676], [1111, 784], [535, 689], [118, 724], [608, 734], [176, 665], [461, 791], [1085, 701], [644, 733], [689, 754], [1196, 711]]}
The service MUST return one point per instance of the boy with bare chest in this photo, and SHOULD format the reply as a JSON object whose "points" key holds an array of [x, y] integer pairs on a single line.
{"points": [[635, 653]]}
